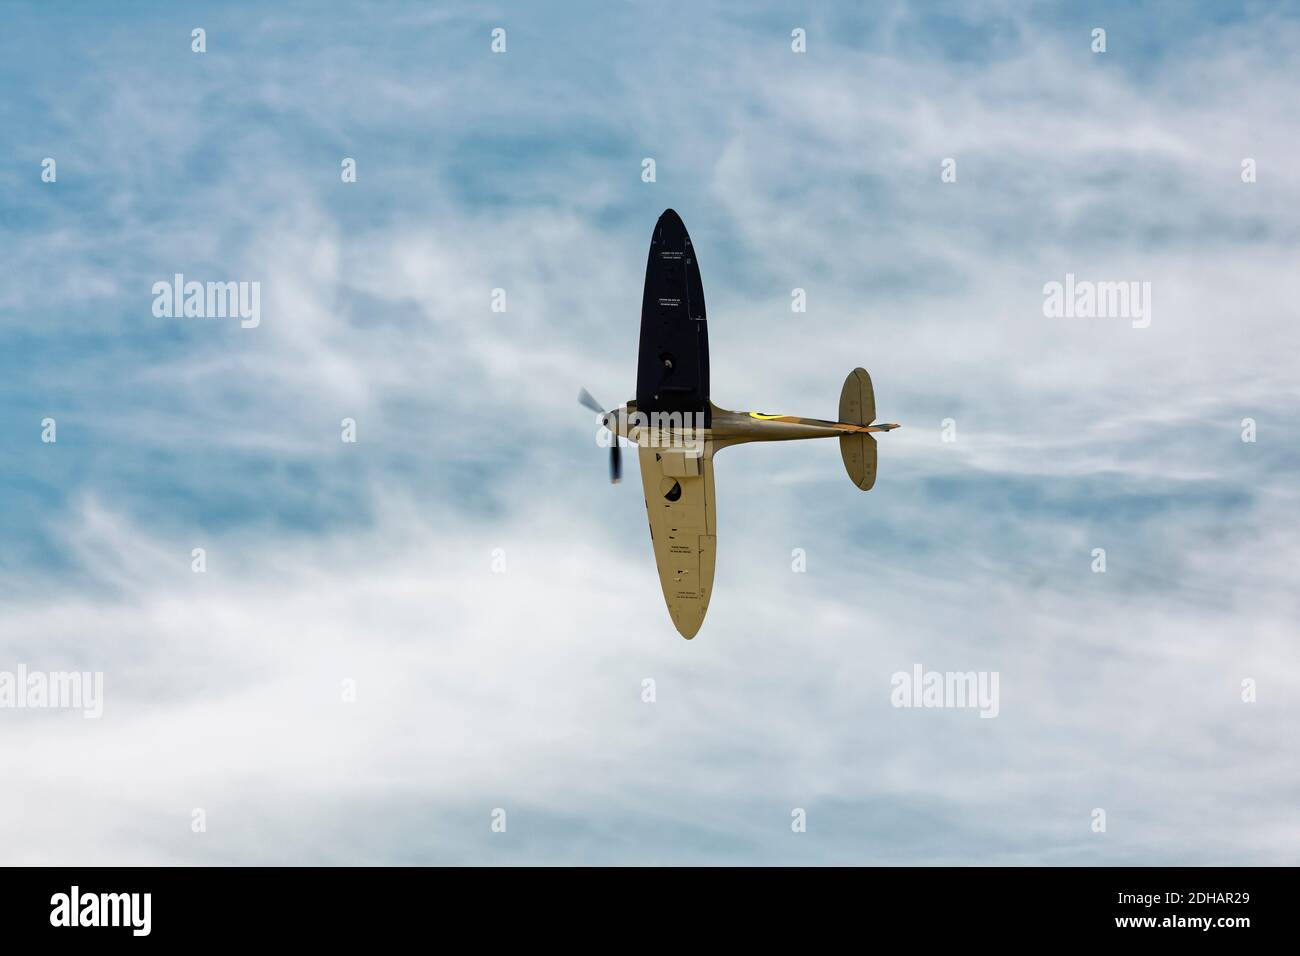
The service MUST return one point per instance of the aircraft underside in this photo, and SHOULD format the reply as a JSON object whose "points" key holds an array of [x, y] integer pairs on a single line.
{"points": [[677, 429]]}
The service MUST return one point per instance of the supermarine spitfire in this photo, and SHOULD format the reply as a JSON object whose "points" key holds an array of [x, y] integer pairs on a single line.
{"points": [[678, 429]]}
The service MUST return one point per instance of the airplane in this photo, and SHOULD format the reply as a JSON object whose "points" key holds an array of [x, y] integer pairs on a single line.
{"points": [[678, 429]]}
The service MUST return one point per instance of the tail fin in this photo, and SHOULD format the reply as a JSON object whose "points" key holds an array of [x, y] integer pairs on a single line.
{"points": [[858, 407]]}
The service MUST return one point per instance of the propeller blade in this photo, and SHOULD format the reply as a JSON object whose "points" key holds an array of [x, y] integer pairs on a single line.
{"points": [[585, 399], [615, 463]]}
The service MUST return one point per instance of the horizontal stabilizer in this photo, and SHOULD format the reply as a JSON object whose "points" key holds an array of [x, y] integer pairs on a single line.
{"points": [[859, 453], [858, 399]]}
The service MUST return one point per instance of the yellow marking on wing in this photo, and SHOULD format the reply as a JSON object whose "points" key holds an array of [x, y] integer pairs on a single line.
{"points": [[766, 418]]}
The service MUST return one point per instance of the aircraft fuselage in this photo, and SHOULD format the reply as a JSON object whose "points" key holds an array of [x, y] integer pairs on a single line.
{"points": [[725, 428]]}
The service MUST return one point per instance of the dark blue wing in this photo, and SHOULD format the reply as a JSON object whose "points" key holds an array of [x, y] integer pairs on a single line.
{"points": [[673, 366]]}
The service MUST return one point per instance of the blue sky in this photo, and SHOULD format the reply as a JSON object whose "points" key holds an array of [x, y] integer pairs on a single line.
{"points": [[372, 561]]}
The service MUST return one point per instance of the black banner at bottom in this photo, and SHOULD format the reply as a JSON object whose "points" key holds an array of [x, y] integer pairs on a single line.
{"points": [[341, 905]]}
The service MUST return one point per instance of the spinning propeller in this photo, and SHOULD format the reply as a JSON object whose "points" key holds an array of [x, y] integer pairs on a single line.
{"points": [[615, 454]]}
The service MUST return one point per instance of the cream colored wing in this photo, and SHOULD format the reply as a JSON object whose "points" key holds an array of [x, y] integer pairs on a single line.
{"points": [[679, 504]]}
